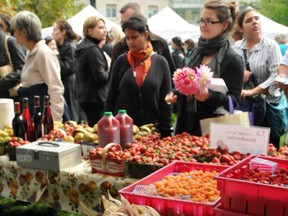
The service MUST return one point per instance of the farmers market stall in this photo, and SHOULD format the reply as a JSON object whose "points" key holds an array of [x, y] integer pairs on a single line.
{"points": [[70, 190]]}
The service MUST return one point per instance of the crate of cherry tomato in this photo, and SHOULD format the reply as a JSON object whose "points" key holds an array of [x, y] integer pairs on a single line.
{"points": [[109, 160], [255, 189], [180, 187]]}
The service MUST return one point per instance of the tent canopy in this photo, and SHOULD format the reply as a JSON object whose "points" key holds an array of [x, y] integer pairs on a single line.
{"points": [[272, 28], [78, 20], [168, 24]]}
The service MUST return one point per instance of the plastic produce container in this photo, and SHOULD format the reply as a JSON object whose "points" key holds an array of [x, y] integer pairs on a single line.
{"points": [[252, 198], [219, 211], [168, 206]]}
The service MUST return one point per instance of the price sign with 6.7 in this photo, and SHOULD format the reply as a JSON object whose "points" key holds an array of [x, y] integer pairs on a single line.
{"points": [[252, 140]]}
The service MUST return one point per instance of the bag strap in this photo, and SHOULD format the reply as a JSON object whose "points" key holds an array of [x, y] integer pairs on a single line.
{"points": [[246, 59], [230, 103], [7, 49]]}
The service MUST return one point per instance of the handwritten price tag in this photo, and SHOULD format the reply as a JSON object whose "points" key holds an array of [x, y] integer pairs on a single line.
{"points": [[252, 140]]}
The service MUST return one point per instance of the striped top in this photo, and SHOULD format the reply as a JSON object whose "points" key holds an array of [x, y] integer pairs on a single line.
{"points": [[264, 61]]}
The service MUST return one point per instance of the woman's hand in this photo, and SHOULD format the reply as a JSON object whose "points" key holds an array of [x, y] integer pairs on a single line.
{"points": [[246, 76], [246, 93], [171, 98], [202, 97]]}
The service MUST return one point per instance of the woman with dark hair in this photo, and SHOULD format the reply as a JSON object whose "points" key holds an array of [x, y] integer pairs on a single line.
{"points": [[5, 24], [65, 39], [16, 57], [92, 70], [213, 50], [263, 56], [140, 79], [178, 53], [189, 45], [41, 72]]}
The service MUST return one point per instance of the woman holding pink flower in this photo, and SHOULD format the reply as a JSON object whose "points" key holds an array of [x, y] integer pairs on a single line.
{"points": [[212, 58]]}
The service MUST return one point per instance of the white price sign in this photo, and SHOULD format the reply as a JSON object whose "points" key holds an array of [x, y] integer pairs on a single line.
{"points": [[252, 140]]}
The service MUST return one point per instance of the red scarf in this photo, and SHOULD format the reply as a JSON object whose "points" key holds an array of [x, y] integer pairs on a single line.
{"points": [[140, 63]]}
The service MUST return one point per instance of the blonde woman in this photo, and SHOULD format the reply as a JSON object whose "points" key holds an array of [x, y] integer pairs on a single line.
{"points": [[116, 34], [92, 70]]}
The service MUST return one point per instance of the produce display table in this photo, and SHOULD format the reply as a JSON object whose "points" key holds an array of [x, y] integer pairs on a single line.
{"points": [[71, 190]]}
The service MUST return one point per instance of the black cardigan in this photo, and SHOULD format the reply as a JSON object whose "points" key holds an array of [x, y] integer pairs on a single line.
{"points": [[146, 104], [232, 68], [92, 72]]}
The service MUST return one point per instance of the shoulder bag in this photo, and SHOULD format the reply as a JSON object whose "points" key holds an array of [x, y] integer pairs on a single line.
{"points": [[255, 105], [7, 69], [232, 118]]}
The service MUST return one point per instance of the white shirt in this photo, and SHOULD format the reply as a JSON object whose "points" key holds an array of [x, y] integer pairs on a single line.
{"points": [[264, 61], [42, 66]]}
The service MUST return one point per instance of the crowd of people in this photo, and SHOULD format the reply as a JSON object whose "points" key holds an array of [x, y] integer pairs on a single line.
{"points": [[131, 68]]}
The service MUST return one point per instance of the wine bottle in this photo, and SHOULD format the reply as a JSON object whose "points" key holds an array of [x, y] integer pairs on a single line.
{"points": [[37, 118], [18, 122], [28, 124], [47, 121]]}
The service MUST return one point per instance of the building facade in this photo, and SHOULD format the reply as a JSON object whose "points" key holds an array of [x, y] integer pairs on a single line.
{"points": [[111, 8], [187, 9]]}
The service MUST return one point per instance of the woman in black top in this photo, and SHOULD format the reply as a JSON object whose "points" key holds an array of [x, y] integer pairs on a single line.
{"points": [[178, 53], [140, 80], [92, 70], [213, 50]]}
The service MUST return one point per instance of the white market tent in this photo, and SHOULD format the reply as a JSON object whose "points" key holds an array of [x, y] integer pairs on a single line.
{"points": [[168, 24], [272, 28], [78, 20]]}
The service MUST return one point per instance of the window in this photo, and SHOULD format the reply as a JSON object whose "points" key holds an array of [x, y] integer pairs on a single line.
{"points": [[152, 10], [111, 11]]}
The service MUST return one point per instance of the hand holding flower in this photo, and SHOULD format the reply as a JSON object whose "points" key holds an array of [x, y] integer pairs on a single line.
{"points": [[171, 98], [202, 96]]}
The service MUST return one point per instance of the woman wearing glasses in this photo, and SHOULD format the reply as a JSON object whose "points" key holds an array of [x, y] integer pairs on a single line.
{"points": [[217, 19]]}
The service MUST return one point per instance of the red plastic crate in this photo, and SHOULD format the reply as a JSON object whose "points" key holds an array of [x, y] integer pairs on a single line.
{"points": [[249, 197], [171, 207], [218, 211]]}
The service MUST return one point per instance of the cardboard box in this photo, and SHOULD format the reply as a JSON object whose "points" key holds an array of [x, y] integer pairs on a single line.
{"points": [[45, 155]]}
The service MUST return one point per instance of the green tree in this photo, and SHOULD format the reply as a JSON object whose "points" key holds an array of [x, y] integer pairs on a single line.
{"points": [[275, 10], [48, 10]]}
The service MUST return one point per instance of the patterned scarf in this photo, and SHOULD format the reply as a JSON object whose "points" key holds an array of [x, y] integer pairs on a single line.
{"points": [[217, 46], [140, 63]]}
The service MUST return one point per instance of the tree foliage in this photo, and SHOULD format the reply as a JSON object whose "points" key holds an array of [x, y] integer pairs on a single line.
{"points": [[274, 9], [48, 10]]}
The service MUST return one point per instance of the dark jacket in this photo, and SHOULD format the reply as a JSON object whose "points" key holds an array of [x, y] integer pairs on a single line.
{"points": [[68, 76], [159, 45], [92, 72], [232, 68], [17, 54], [146, 104], [178, 56]]}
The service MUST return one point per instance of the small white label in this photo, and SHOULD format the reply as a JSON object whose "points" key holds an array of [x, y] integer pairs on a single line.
{"points": [[24, 158]]}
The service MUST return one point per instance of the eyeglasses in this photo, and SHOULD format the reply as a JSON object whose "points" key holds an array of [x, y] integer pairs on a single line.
{"points": [[208, 22]]}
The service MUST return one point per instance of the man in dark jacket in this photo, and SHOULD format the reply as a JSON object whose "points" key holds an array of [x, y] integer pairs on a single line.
{"points": [[159, 44], [17, 55]]}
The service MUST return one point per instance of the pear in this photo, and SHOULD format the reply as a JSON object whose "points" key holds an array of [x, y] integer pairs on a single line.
{"points": [[87, 137], [89, 129], [78, 137], [69, 138], [95, 128]]}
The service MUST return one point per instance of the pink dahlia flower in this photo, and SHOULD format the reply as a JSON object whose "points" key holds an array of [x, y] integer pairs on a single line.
{"points": [[185, 81]]}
